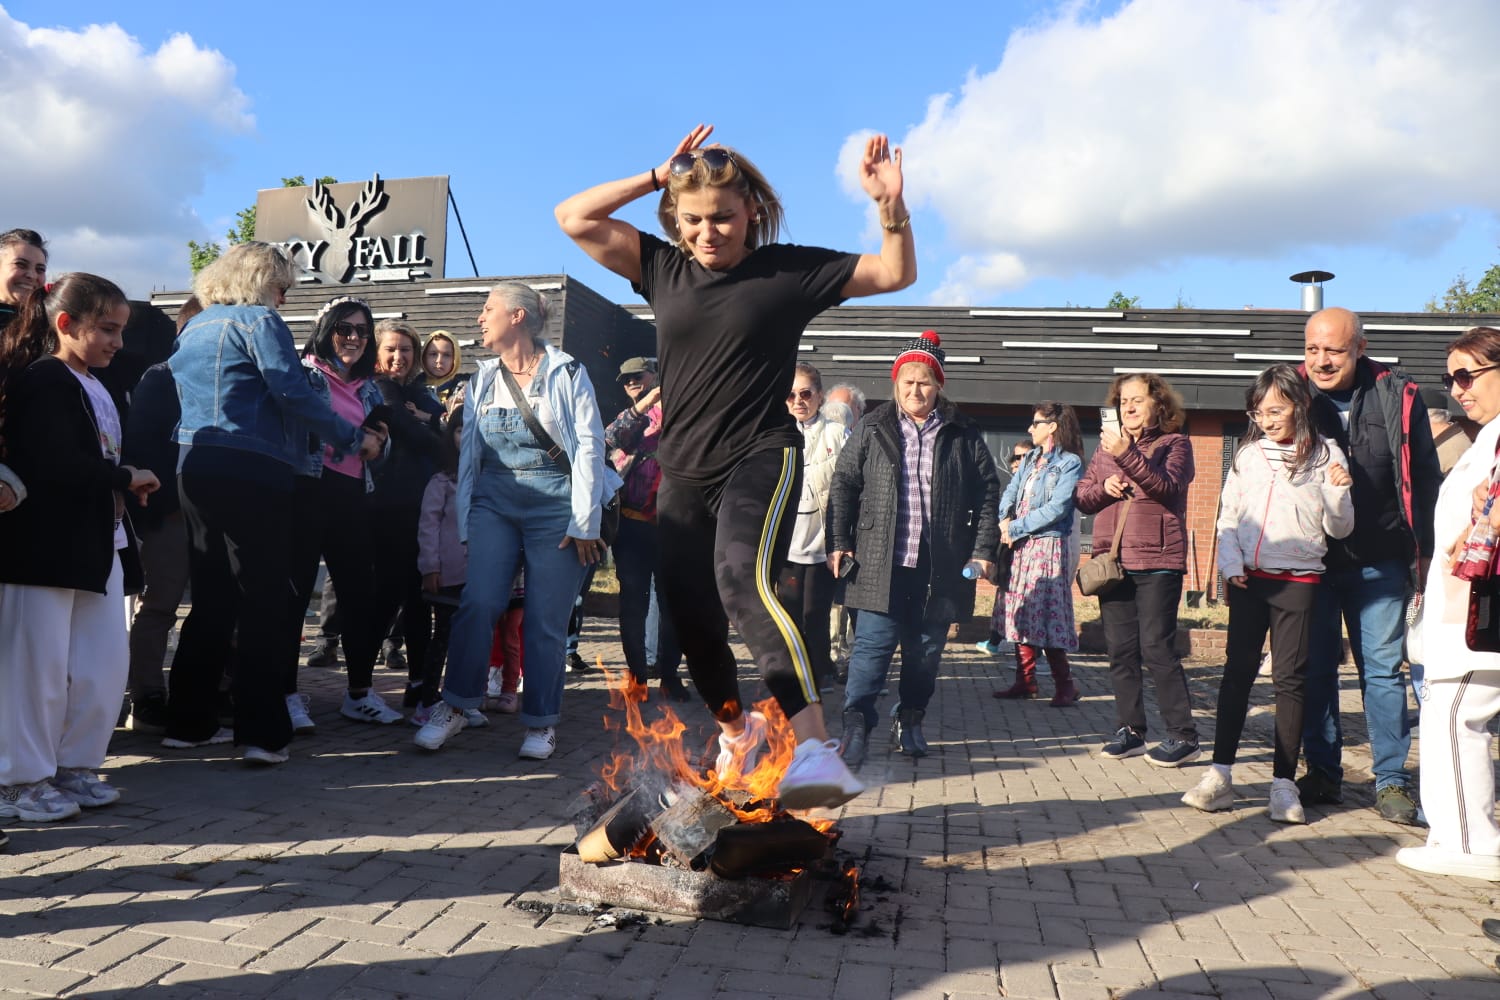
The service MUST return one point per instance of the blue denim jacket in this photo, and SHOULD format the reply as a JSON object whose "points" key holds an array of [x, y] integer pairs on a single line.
{"points": [[1052, 510], [312, 457], [571, 417], [242, 385]]}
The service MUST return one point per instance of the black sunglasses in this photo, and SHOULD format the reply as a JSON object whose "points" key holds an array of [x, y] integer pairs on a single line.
{"points": [[802, 394], [1464, 377], [715, 158], [359, 330]]}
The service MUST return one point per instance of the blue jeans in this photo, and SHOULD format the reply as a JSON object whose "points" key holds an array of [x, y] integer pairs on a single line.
{"points": [[876, 638], [1371, 601], [645, 634]]}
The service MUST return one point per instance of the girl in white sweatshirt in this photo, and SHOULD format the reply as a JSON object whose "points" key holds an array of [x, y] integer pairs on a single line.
{"points": [[1287, 492]]}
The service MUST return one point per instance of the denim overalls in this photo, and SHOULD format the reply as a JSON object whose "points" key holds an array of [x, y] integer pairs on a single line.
{"points": [[521, 508]]}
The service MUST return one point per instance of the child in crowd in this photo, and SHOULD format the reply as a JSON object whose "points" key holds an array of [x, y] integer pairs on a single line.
{"points": [[70, 555], [508, 652], [1287, 490]]}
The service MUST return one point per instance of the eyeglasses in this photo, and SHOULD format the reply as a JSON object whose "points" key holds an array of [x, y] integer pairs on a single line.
{"points": [[355, 331], [1038, 423], [800, 394], [1261, 416], [1464, 378], [715, 158]]}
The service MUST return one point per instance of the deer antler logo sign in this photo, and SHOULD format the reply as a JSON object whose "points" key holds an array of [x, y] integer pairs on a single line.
{"points": [[343, 228]]}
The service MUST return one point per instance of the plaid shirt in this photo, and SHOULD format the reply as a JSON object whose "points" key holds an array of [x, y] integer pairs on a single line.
{"points": [[914, 501]]}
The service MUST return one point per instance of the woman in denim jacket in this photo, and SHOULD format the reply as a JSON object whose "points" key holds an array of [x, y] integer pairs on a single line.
{"points": [[1036, 520], [516, 505], [242, 386], [332, 514]]}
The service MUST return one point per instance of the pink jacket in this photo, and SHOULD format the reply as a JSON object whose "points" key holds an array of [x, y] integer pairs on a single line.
{"points": [[438, 548]]}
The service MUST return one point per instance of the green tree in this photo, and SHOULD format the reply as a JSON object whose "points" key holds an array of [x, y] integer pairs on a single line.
{"points": [[200, 255], [1462, 297], [1121, 301]]}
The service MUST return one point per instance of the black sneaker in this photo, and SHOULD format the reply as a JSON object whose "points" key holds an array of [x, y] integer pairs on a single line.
{"points": [[576, 663], [148, 714], [1173, 753], [326, 655], [393, 657], [1395, 803], [1127, 743], [1318, 789]]}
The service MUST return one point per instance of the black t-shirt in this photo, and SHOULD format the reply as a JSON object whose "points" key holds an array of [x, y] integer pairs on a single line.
{"points": [[727, 345]]}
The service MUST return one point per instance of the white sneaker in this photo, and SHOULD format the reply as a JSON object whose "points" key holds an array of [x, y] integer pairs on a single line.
{"points": [[818, 777], [1440, 861], [738, 755], [296, 707], [495, 686], [370, 708], [222, 736], [38, 802], [539, 743], [262, 756], [84, 787], [474, 718], [1212, 793], [1286, 802], [442, 722]]}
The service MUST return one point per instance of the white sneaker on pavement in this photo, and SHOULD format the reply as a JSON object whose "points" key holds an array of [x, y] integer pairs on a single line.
{"points": [[369, 708], [494, 687], [474, 718], [442, 722], [1286, 802], [84, 787], [264, 757], [539, 743], [37, 802], [1212, 793], [221, 736], [296, 707], [738, 755], [1441, 861], [818, 777]]}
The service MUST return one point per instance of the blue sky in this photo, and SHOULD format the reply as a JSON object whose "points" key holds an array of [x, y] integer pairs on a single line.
{"points": [[1200, 150]]}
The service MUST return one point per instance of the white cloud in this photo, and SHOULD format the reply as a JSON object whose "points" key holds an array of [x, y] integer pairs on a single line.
{"points": [[104, 144], [1176, 129]]}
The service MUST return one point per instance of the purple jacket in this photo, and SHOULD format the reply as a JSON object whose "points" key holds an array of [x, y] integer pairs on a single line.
{"points": [[438, 548], [1155, 536]]}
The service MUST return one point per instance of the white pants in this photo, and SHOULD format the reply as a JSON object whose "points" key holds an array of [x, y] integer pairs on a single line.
{"points": [[64, 659], [1458, 775]]}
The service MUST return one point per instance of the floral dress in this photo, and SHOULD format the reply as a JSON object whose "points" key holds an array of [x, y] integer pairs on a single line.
{"points": [[1039, 600]]}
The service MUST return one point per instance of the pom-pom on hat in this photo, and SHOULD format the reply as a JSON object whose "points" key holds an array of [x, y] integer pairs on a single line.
{"points": [[924, 350]]}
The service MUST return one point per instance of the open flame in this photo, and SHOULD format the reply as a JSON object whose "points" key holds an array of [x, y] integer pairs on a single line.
{"points": [[659, 751]]}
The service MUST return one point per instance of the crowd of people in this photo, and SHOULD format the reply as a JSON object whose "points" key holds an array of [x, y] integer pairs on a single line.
{"points": [[460, 518]]}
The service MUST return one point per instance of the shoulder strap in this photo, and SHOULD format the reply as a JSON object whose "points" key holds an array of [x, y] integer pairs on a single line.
{"points": [[1114, 546], [553, 449]]}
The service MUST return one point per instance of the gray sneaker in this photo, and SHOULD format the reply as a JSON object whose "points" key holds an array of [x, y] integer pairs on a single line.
{"points": [[443, 722], [1173, 753], [84, 787], [1127, 743], [37, 802]]}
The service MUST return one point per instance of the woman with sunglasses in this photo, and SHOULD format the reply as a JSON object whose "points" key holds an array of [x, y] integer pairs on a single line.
{"points": [[805, 585], [332, 512], [242, 388], [1460, 690], [731, 305], [1036, 521]]}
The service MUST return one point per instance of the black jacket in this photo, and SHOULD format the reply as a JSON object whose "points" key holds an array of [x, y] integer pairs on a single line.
{"points": [[415, 445], [1393, 463], [150, 443], [862, 511], [63, 534]]}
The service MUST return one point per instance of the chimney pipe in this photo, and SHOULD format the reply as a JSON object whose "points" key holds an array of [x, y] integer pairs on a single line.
{"points": [[1312, 288]]}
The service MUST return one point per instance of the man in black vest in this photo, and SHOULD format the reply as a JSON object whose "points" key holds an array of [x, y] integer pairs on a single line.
{"points": [[1376, 415]]}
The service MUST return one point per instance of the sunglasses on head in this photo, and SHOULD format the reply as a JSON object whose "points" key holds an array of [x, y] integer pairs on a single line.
{"points": [[356, 330], [715, 158], [800, 394], [1464, 378]]}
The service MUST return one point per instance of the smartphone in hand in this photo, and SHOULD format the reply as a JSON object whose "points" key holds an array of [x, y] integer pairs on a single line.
{"points": [[1109, 418]]}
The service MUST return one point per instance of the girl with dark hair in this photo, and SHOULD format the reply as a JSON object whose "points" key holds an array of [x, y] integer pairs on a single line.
{"points": [[23, 268], [1286, 495], [70, 554], [1036, 521], [1141, 472], [731, 305], [332, 513]]}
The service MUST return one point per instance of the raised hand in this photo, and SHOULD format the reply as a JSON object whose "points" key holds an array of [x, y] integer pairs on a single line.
{"points": [[880, 170], [693, 140]]}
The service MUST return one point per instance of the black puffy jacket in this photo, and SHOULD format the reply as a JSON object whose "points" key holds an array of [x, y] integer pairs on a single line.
{"points": [[862, 511]]}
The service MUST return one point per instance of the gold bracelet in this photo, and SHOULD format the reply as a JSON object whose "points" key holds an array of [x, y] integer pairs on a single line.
{"points": [[896, 227]]}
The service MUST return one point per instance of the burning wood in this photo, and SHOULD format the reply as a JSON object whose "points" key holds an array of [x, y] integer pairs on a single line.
{"points": [[620, 828], [755, 848], [689, 826]]}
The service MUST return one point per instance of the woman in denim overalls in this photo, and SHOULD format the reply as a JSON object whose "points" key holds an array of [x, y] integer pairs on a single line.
{"points": [[515, 502]]}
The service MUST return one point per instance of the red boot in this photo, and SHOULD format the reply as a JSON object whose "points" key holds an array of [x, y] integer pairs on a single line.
{"points": [[1062, 676], [1025, 685]]}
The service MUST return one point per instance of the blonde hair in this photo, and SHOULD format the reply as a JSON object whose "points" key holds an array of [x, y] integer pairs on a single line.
{"points": [[406, 330], [248, 274], [766, 214]]}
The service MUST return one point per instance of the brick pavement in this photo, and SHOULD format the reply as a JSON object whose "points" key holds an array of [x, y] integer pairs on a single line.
{"points": [[1011, 862]]}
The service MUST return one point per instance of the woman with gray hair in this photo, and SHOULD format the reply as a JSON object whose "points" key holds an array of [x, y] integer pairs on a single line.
{"points": [[241, 384], [532, 477]]}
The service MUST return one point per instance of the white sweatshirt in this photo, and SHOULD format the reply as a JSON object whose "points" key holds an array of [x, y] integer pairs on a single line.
{"points": [[1277, 522]]}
